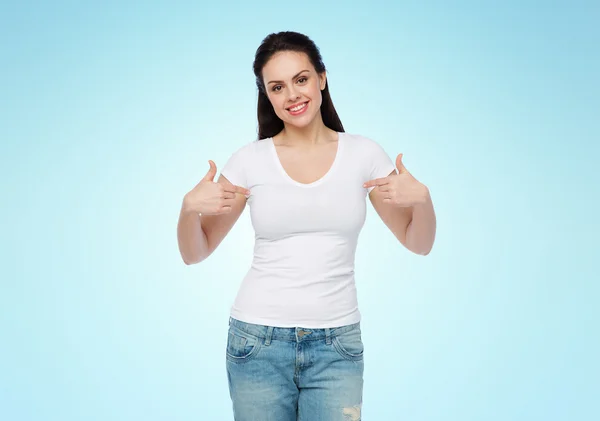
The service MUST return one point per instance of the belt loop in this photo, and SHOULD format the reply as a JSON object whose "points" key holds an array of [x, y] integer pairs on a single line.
{"points": [[229, 320], [269, 335], [327, 336]]}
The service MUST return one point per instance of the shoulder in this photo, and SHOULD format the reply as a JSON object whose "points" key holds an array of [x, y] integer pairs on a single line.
{"points": [[253, 147], [362, 143]]}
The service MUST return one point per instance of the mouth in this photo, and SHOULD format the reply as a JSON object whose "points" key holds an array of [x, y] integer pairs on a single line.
{"points": [[298, 109]]}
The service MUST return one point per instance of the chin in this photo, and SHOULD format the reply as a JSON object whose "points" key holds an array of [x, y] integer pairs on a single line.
{"points": [[297, 124], [300, 123]]}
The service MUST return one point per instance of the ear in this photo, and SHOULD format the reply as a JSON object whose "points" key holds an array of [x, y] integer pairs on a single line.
{"points": [[323, 79]]}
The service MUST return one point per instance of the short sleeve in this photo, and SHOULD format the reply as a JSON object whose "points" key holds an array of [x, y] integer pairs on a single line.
{"points": [[234, 169], [380, 164]]}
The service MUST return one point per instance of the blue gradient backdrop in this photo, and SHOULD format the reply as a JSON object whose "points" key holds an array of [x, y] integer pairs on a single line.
{"points": [[110, 111]]}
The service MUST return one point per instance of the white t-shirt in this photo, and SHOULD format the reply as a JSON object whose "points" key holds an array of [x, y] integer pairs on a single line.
{"points": [[302, 273]]}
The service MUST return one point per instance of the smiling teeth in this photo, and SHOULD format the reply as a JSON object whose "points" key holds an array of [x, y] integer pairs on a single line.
{"points": [[298, 108]]}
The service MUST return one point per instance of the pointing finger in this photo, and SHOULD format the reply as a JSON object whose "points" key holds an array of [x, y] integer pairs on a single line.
{"points": [[376, 182], [237, 189]]}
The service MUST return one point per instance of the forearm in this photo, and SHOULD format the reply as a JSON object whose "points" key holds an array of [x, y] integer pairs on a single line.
{"points": [[193, 245], [420, 232]]}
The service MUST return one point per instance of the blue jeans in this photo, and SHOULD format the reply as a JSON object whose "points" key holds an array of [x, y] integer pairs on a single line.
{"points": [[294, 374]]}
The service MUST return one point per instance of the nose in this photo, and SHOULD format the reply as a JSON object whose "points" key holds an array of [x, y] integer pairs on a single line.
{"points": [[293, 95]]}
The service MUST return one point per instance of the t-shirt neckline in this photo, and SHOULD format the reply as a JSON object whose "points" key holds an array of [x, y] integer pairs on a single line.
{"points": [[316, 182]]}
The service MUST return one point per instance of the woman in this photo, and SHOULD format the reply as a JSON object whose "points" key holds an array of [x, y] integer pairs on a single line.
{"points": [[294, 348]]}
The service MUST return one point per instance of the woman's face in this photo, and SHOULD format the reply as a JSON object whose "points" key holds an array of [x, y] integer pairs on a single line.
{"points": [[294, 87]]}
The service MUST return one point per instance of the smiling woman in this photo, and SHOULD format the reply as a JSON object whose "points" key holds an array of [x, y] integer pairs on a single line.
{"points": [[304, 86], [294, 346], [290, 72]]}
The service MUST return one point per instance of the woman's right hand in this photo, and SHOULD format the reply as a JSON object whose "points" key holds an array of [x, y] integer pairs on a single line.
{"points": [[210, 198]]}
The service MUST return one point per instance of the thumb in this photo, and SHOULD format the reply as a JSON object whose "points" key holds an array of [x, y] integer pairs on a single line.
{"points": [[400, 166], [210, 175]]}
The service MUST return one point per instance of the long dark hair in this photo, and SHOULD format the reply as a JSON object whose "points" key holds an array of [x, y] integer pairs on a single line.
{"points": [[268, 122]]}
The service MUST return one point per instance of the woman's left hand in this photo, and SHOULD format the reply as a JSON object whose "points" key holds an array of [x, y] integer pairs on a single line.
{"points": [[402, 189]]}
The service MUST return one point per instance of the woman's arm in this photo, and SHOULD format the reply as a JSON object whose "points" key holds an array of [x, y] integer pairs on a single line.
{"points": [[193, 245], [420, 233], [396, 219], [198, 236], [413, 226], [405, 206]]}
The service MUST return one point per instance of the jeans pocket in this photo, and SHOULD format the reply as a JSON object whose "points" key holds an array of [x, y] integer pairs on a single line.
{"points": [[349, 344], [241, 346]]}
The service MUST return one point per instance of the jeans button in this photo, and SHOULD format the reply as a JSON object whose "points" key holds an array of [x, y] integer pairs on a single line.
{"points": [[301, 333]]}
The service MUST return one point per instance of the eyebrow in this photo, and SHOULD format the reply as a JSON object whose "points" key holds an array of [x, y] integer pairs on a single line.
{"points": [[295, 76]]}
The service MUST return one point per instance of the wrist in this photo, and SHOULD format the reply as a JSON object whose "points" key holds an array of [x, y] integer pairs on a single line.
{"points": [[185, 206], [424, 195]]}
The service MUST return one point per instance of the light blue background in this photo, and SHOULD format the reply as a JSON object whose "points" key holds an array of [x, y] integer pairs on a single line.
{"points": [[109, 113]]}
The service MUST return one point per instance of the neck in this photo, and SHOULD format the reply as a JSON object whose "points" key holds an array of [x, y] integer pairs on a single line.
{"points": [[315, 133]]}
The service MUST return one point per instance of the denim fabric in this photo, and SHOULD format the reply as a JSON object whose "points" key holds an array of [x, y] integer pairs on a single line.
{"points": [[294, 374]]}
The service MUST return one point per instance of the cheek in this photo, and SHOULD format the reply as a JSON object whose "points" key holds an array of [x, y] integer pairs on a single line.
{"points": [[317, 98], [276, 103], [316, 92]]}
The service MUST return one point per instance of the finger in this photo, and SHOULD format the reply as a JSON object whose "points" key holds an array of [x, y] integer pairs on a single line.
{"points": [[237, 189], [228, 201], [210, 175], [400, 165], [228, 195], [385, 188], [376, 182]]}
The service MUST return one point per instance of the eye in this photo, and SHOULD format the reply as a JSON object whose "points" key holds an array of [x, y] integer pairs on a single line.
{"points": [[302, 79], [276, 88]]}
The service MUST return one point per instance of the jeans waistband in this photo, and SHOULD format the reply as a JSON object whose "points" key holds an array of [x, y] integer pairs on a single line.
{"points": [[291, 333]]}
